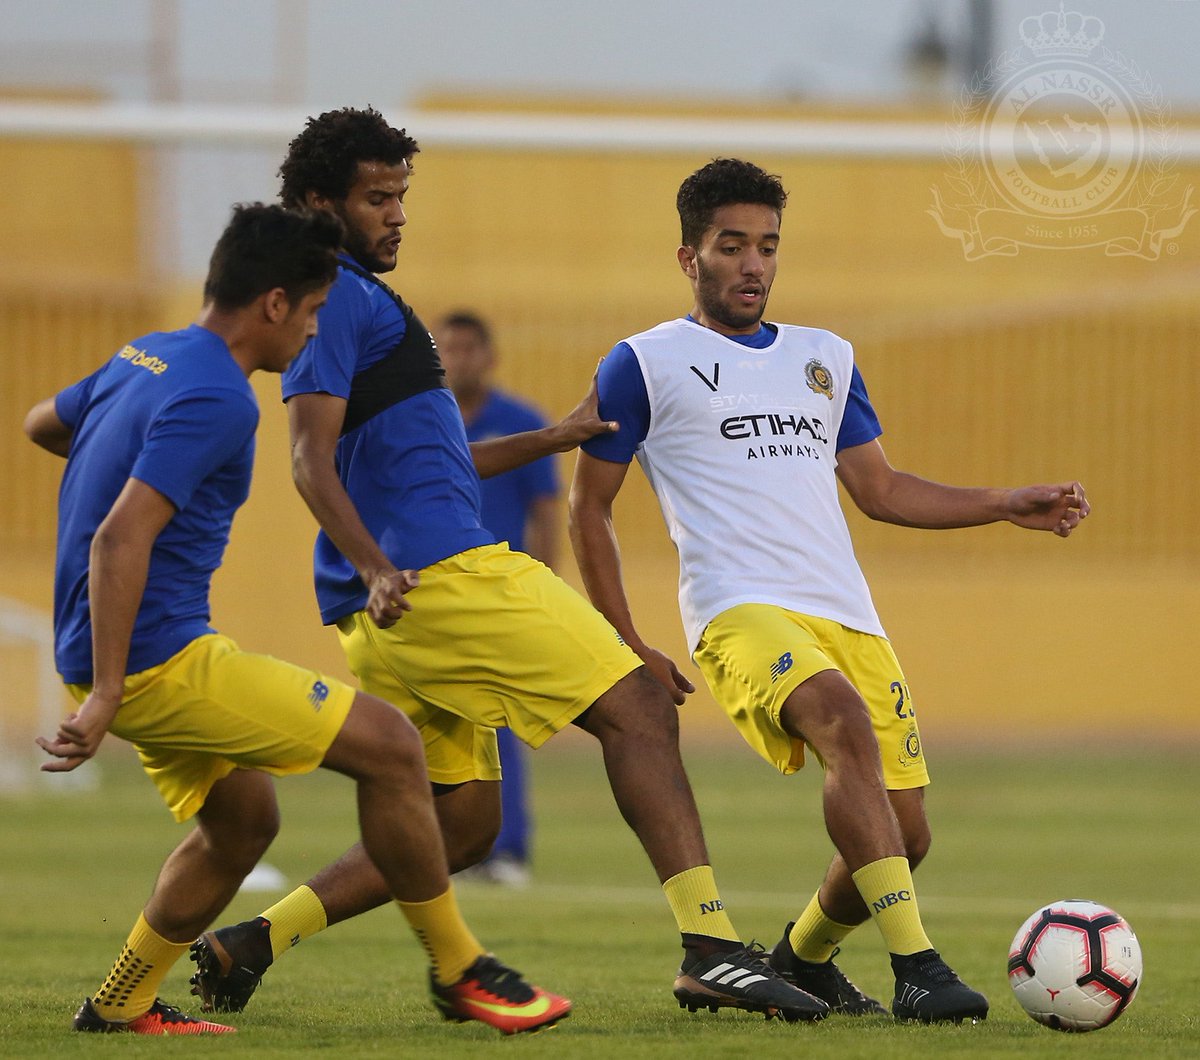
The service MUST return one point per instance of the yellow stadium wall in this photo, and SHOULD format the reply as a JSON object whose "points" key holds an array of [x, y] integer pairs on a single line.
{"points": [[1041, 366]]}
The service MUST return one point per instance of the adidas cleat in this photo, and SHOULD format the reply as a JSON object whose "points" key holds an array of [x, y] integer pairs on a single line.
{"points": [[495, 994], [230, 963], [823, 980], [743, 979], [927, 990], [161, 1019]]}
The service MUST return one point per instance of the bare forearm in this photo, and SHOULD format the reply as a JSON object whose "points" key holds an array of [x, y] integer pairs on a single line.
{"points": [[494, 456], [318, 483], [117, 575], [917, 502], [598, 556]]}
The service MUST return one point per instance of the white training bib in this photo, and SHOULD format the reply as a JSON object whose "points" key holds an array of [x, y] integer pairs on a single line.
{"points": [[741, 455]]}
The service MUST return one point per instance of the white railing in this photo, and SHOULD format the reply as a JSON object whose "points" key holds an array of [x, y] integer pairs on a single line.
{"points": [[262, 126], [24, 627]]}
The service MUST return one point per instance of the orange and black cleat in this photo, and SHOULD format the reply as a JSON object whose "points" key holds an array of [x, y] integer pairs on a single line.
{"points": [[495, 994], [161, 1019]]}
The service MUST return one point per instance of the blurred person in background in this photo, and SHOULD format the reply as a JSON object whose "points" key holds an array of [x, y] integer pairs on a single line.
{"points": [[521, 507]]}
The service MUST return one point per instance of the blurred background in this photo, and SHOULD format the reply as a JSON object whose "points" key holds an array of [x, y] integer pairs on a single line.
{"points": [[554, 136]]}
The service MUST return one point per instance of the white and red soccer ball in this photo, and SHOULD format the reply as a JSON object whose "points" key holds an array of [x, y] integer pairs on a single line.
{"points": [[1075, 966]]}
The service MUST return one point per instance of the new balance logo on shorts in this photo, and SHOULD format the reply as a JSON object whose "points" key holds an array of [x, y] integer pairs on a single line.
{"points": [[781, 666], [318, 695]]}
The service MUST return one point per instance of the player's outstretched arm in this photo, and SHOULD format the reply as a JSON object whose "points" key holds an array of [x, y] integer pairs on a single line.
{"points": [[497, 455], [315, 422], [892, 496], [43, 427], [598, 556]]}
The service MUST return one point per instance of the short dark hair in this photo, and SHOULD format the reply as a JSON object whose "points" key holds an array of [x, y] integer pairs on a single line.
{"points": [[464, 318], [324, 158], [264, 247], [724, 181]]}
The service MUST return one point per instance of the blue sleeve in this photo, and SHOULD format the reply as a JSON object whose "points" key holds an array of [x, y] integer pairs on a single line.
{"points": [[859, 422], [623, 398], [191, 438], [328, 362], [70, 403]]}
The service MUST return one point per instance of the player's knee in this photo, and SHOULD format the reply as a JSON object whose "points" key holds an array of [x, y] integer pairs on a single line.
{"points": [[637, 706], [917, 841], [465, 850], [469, 817], [837, 723], [377, 741], [240, 845], [405, 746]]}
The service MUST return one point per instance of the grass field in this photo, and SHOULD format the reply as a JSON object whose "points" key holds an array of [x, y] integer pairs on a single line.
{"points": [[1013, 829]]}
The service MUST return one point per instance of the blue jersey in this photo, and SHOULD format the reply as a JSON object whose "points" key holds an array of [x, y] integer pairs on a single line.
{"points": [[405, 462], [172, 410], [624, 399], [507, 497]]}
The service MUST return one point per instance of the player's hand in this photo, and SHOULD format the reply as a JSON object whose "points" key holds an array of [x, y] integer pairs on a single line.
{"points": [[581, 423], [1059, 509], [386, 590], [668, 674], [79, 736]]}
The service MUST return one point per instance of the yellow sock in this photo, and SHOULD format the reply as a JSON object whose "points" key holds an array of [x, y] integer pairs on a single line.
{"points": [[693, 898], [440, 928], [133, 983], [887, 888], [294, 918], [814, 936]]}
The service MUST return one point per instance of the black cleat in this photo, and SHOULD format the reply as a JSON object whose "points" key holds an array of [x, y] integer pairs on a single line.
{"points": [[927, 990], [743, 979], [230, 963], [162, 1019], [825, 981]]}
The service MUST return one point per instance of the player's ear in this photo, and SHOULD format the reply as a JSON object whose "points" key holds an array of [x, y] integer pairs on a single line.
{"points": [[276, 305], [314, 200], [687, 260]]}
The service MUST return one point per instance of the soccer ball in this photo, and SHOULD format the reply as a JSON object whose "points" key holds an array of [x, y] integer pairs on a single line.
{"points": [[1075, 966]]}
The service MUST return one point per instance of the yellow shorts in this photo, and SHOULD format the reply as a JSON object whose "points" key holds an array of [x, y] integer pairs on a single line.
{"points": [[754, 655], [213, 708], [493, 639]]}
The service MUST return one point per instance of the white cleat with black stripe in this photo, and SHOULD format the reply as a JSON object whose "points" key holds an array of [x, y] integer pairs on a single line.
{"points": [[743, 979]]}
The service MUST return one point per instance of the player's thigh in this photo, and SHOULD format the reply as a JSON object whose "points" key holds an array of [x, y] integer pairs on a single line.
{"points": [[872, 667], [213, 708], [457, 749], [753, 656], [376, 739], [497, 639]]}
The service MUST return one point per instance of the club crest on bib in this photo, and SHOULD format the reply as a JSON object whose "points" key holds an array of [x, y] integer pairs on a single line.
{"points": [[819, 378]]}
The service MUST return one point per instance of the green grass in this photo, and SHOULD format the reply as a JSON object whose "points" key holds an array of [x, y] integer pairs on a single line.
{"points": [[1013, 830]]}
